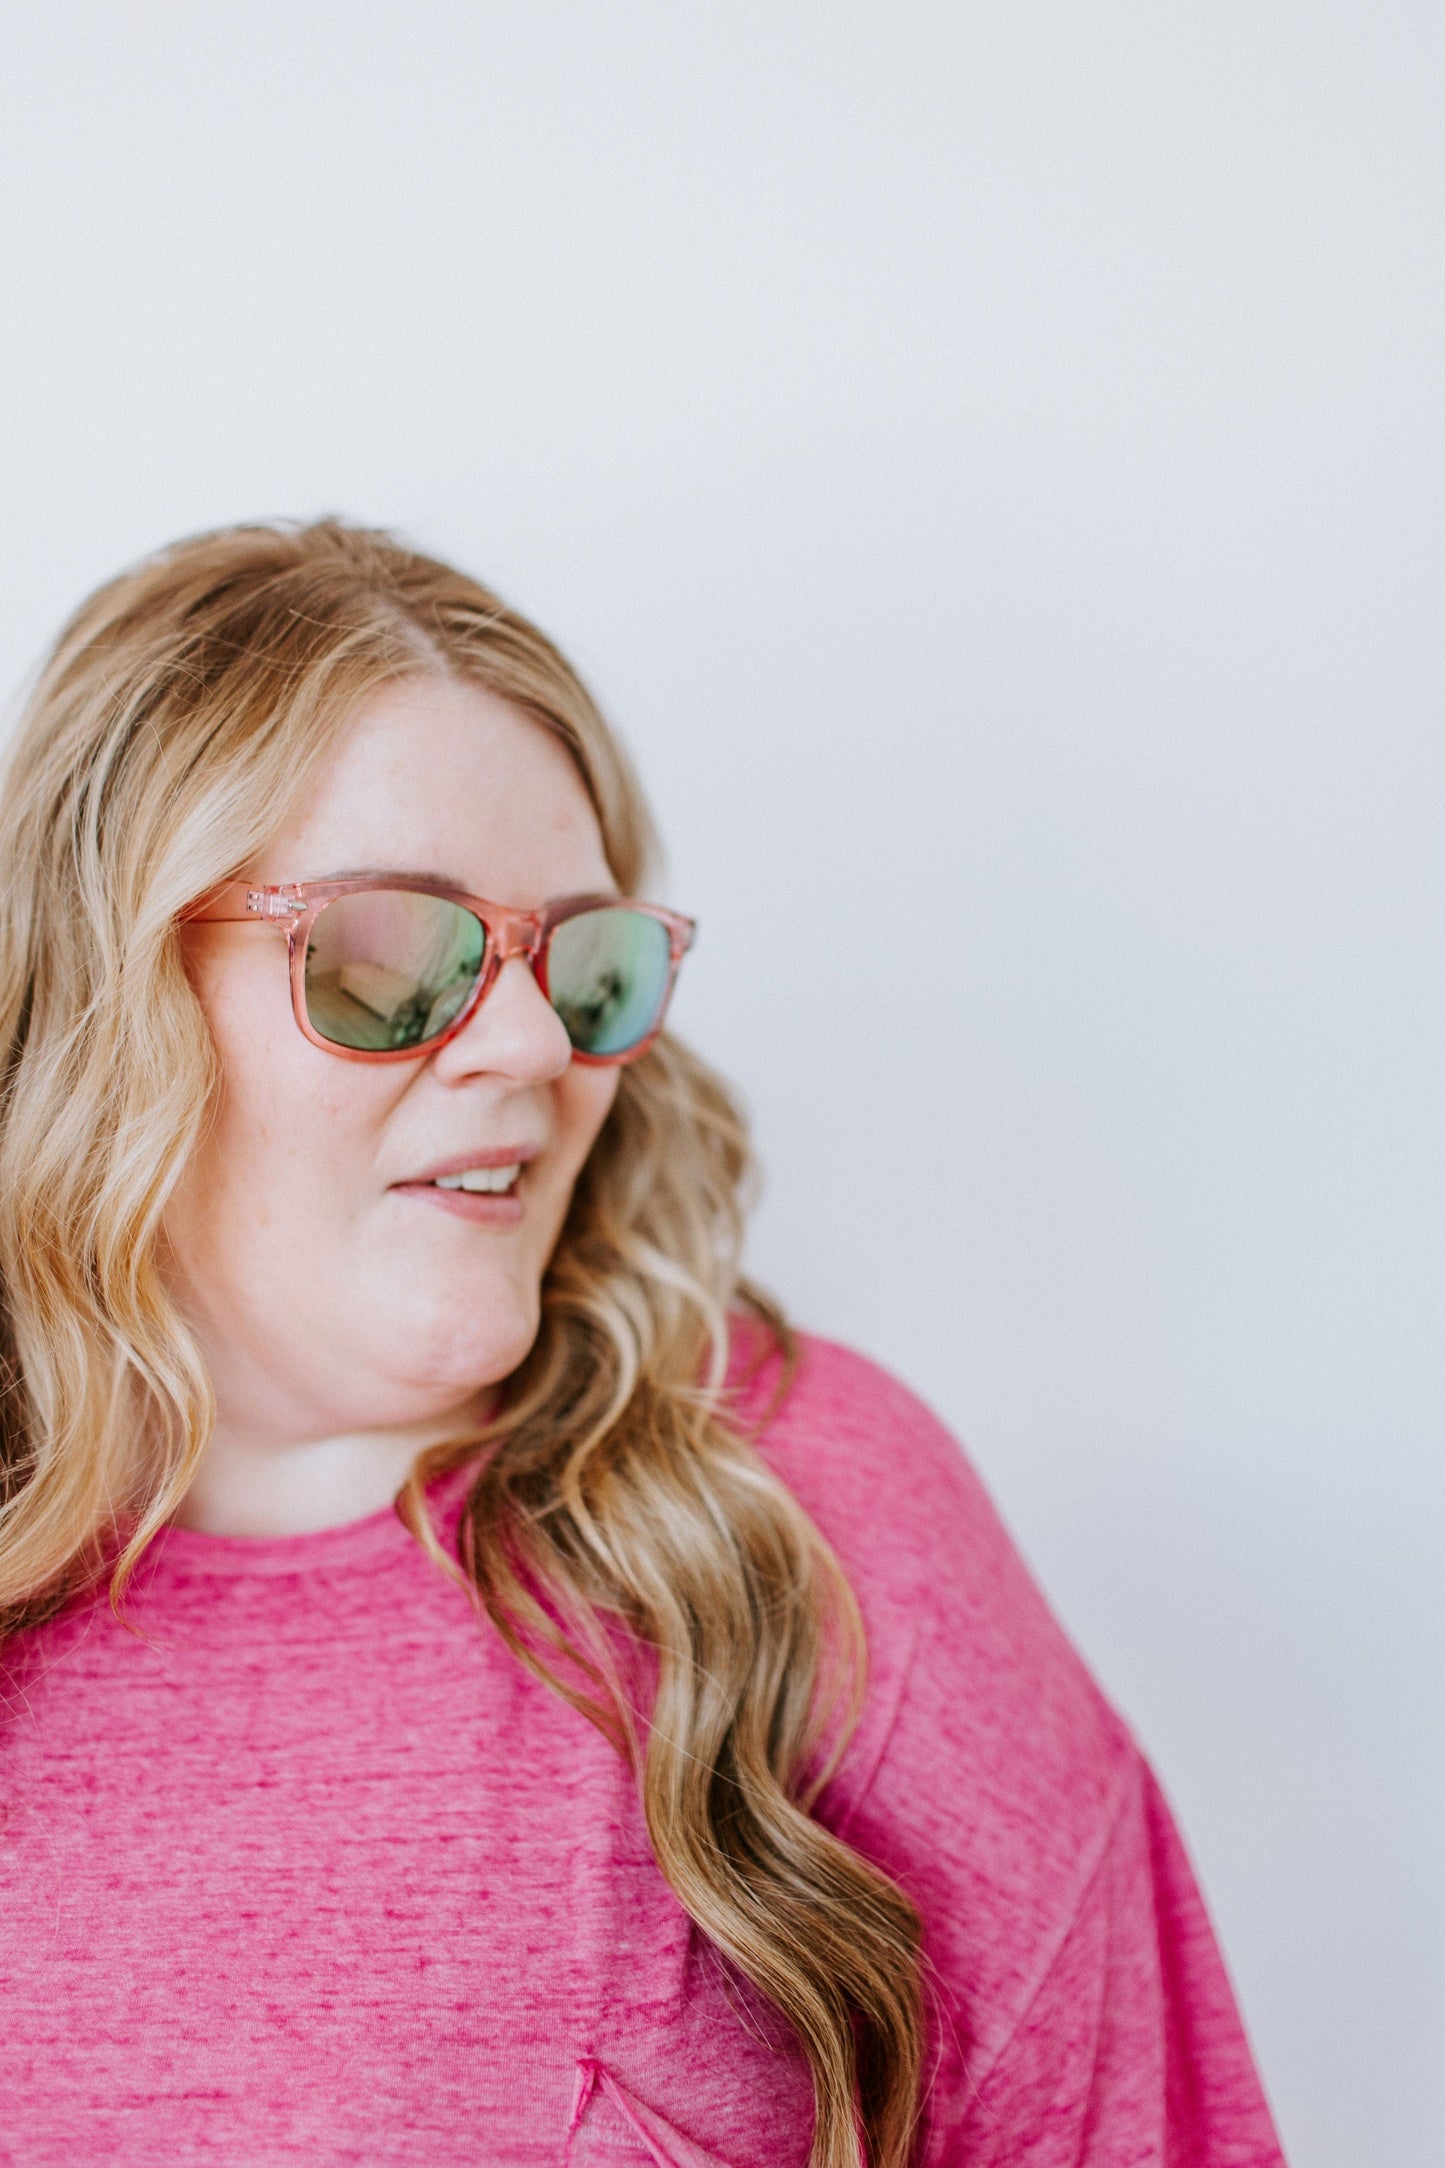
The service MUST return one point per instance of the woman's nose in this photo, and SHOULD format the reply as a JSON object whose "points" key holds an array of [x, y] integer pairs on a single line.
{"points": [[514, 1031]]}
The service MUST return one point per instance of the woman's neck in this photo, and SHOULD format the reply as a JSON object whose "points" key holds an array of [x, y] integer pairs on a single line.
{"points": [[249, 1487]]}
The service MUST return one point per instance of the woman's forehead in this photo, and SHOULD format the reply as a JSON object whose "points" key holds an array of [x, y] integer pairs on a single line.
{"points": [[444, 778]]}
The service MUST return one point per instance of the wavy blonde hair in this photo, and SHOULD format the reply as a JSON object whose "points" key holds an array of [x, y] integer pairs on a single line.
{"points": [[182, 706]]}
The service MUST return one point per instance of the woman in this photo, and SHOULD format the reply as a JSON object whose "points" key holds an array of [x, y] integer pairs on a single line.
{"points": [[473, 1760]]}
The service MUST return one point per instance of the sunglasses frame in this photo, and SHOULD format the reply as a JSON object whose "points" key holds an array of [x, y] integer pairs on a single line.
{"points": [[293, 907]]}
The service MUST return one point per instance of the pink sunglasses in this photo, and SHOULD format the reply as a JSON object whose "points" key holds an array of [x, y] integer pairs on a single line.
{"points": [[388, 968]]}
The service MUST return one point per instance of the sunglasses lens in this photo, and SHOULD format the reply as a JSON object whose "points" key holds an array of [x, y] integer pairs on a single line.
{"points": [[608, 973], [388, 969]]}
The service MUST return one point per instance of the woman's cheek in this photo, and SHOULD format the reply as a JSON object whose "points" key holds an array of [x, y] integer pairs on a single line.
{"points": [[587, 1095]]}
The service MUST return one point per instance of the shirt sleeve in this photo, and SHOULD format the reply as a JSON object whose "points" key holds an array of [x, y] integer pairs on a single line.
{"points": [[1130, 2049]]}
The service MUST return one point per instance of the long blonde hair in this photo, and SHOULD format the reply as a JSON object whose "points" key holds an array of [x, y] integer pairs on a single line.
{"points": [[183, 705]]}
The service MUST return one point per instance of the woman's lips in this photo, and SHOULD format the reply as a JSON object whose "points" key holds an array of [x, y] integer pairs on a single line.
{"points": [[443, 1185], [483, 1207]]}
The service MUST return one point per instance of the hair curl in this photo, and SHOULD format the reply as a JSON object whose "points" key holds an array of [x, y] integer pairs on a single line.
{"points": [[183, 703]]}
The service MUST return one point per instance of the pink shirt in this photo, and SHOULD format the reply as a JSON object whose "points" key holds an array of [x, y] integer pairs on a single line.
{"points": [[308, 1869]]}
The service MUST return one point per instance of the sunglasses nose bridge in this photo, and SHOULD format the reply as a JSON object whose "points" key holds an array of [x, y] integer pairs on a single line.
{"points": [[517, 933]]}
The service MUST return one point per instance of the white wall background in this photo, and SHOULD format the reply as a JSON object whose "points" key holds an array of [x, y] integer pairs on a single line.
{"points": [[989, 458]]}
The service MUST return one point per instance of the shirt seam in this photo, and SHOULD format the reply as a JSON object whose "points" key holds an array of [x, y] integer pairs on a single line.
{"points": [[1093, 1861]]}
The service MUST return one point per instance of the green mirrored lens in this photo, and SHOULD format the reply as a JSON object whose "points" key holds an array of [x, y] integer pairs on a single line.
{"points": [[607, 975], [388, 969]]}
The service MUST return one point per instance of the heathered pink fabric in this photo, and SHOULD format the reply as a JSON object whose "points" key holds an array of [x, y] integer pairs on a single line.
{"points": [[306, 1869]]}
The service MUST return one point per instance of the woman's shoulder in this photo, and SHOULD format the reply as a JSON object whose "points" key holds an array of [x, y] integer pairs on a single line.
{"points": [[872, 1461], [901, 1504], [983, 1733]]}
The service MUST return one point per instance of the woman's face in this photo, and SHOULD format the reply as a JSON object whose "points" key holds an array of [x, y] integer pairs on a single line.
{"points": [[335, 1287]]}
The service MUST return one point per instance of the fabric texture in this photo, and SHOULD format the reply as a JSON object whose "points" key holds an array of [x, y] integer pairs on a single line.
{"points": [[299, 1865]]}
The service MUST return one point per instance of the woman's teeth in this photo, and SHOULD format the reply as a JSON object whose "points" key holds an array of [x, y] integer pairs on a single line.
{"points": [[481, 1178]]}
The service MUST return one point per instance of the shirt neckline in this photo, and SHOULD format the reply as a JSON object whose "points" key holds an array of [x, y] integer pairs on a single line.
{"points": [[192, 1551]]}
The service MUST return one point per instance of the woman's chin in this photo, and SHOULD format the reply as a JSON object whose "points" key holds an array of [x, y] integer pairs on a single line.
{"points": [[447, 1367]]}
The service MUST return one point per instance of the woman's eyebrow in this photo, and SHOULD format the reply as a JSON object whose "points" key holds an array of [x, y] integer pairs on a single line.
{"points": [[392, 873]]}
